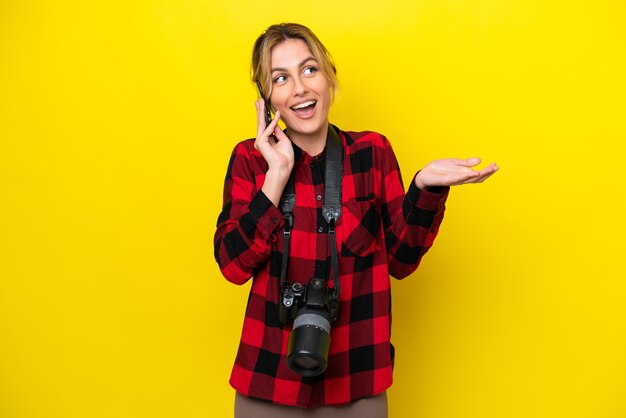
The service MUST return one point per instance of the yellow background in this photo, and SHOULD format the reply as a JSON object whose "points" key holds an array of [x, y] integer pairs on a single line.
{"points": [[116, 124]]}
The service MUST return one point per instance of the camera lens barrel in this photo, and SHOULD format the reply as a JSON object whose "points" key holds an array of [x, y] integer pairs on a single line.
{"points": [[309, 342]]}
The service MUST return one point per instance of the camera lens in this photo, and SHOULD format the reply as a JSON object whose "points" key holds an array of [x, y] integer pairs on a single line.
{"points": [[306, 363], [309, 342]]}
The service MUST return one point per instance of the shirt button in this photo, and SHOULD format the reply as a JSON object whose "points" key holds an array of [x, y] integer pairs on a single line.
{"points": [[318, 197], [320, 229], [274, 220]]}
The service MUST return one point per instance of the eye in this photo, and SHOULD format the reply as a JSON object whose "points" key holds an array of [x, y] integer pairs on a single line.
{"points": [[280, 79], [310, 70]]}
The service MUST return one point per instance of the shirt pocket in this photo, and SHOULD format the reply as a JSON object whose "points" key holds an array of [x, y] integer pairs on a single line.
{"points": [[361, 225]]}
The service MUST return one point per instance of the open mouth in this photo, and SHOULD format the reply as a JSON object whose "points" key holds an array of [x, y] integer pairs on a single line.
{"points": [[304, 108]]}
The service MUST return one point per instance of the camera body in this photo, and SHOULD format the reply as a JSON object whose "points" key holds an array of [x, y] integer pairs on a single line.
{"points": [[312, 309], [291, 299]]}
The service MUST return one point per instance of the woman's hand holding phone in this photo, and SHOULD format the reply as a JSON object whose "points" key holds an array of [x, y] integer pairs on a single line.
{"points": [[278, 153]]}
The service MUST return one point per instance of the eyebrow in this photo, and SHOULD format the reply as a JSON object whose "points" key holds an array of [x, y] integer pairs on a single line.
{"points": [[304, 61]]}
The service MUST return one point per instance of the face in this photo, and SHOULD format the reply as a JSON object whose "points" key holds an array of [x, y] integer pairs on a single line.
{"points": [[299, 89]]}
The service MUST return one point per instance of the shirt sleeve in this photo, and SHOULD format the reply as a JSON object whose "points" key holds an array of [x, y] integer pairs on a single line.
{"points": [[248, 221], [411, 220]]}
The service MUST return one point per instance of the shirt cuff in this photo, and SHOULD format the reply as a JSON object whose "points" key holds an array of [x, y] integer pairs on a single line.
{"points": [[431, 198], [269, 218]]}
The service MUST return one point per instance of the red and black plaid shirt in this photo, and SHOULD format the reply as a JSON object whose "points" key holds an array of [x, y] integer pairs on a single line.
{"points": [[381, 232]]}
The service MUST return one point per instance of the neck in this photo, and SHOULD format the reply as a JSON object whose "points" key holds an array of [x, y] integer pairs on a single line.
{"points": [[314, 143]]}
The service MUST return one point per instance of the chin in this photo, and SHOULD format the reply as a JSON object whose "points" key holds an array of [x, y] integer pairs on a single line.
{"points": [[307, 127], [307, 130]]}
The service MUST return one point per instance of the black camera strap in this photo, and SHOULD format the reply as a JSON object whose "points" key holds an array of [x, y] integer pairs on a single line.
{"points": [[331, 211], [287, 202]]}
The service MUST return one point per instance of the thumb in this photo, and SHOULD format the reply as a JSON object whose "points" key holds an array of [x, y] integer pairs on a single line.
{"points": [[278, 133], [470, 162]]}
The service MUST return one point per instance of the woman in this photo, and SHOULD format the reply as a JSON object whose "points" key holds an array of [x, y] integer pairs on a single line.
{"points": [[381, 231]]}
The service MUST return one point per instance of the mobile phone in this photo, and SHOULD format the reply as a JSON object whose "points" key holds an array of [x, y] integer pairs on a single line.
{"points": [[268, 114]]}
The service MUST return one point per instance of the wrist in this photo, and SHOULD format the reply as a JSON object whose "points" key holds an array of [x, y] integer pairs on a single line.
{"points": [[274, 184], [418, 182], [278, 175]]}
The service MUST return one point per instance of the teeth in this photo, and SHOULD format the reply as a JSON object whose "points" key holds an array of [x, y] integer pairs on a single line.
{"points": [[305, 104]]}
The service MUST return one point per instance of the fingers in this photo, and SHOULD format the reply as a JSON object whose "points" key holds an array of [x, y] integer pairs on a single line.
{"points": [[263, 142], [264, 132], [259, 104], [488, 172], [278, 133], [470, 162], [465, 177], [482, 175], [272, 126], [262, 126]]}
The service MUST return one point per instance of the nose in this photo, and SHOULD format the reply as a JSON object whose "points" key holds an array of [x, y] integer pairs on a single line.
{"points": [[299, 86]]}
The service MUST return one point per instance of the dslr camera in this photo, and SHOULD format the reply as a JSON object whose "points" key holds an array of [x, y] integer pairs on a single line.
{"points": [[312, 310]]}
